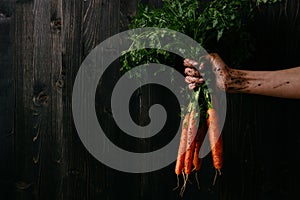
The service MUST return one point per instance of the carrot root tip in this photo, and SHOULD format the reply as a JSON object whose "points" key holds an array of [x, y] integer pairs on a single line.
{"points": [[184, 185], [177, 184], [197, 180], [218, 172]]}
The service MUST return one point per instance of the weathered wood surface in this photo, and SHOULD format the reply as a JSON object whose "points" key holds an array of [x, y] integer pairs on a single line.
{"points": [[42, 45], [6, 101]]}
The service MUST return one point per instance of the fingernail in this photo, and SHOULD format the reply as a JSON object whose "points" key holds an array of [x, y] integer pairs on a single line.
{"points": [[195, 63]]}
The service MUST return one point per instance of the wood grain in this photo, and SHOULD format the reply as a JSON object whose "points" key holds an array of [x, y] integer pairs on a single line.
{"points": [[42, 45], [6, 102]]}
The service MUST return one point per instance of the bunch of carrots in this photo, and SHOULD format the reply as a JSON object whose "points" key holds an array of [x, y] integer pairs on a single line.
{"points": [[191, 140]]}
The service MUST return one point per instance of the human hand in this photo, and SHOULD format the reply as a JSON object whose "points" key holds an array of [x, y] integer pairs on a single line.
{"points": [[217, 65]]}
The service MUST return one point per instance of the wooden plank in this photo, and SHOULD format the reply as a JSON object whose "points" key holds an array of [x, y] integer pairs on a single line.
{"points": [[164, 179], [56, 146], [41, 99], [102, 20], [23, 62], [48, 63], [73, 154], [37, 55], [95, 18], [6, 103]]}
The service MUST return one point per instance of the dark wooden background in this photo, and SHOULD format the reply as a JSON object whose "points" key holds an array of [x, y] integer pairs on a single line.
{"points": [[42, 44]]}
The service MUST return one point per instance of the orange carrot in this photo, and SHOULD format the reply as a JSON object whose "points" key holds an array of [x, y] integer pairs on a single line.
{"points": [[215, 138], [190, 147], [198, 142], [192, 130], [182, 146]]}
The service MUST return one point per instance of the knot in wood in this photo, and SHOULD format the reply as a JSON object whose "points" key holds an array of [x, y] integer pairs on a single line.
{"points": [[41, 99]]}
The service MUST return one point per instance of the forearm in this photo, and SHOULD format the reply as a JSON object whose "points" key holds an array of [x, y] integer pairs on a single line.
{"points": [[280, 83]]}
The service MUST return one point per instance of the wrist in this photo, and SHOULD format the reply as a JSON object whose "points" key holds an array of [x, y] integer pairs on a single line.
{"points": [[235, 81]]}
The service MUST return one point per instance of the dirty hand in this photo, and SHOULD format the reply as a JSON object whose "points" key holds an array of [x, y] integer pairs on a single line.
{"points": [[217, 65]]}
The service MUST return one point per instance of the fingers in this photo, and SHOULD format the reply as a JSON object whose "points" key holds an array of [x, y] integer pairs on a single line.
{"points": [[192, 86], [193, 81], [212, 62], [212, 59], [190, 63], [190, 79], [191, 72], [193, 77], [191, 67]]}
